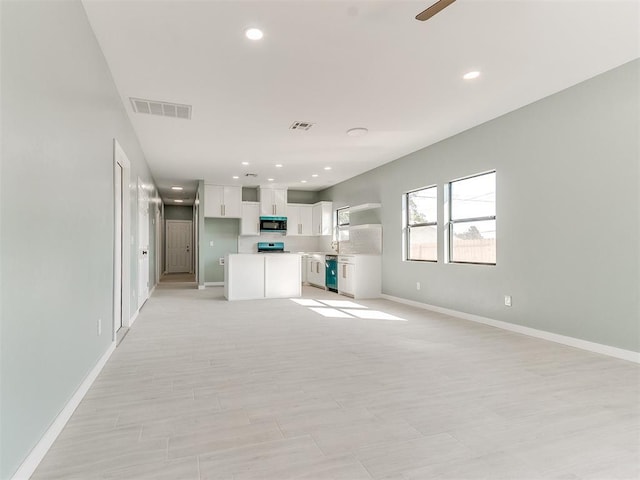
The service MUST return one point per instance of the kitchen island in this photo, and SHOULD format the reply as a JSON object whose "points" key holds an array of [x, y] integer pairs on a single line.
{"points": [[249, 276]]}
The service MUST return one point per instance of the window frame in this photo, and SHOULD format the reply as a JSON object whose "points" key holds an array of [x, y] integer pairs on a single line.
{"points": [[341, 227], [451, 222], [408, 225]]}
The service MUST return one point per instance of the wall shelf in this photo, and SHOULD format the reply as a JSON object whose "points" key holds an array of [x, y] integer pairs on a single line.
{"points": [[365, 226], [363, 207]]}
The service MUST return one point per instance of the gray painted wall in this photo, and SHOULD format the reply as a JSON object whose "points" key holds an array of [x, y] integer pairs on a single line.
{"points": [[61, 112], [568, 213], [223, 232], [177, 212]]}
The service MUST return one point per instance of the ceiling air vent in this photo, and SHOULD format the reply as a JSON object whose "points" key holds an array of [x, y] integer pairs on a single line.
{"points": [[164, 109], [301, 126], [251, 175]]}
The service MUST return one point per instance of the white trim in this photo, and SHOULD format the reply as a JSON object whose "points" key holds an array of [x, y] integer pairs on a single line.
{"points": [[153, 289], [214, 284], [120, 157], [608, 350], [42, 447], [201, 287]]}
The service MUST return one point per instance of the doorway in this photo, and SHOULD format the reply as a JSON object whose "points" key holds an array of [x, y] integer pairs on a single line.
{"points": [[122, 251], [179, 241]]}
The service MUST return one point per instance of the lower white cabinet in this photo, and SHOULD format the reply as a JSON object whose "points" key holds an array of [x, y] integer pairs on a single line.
{"points": [[360, 276], [306, 260], [262, 275], [316, 270]]}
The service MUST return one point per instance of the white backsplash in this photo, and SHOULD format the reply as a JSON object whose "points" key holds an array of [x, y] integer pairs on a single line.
{"points": [[363, 240], [291, 243]]}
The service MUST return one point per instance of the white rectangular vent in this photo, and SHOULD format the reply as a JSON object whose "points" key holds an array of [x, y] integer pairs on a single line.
{"points": [[301, 126], [164, 109]]}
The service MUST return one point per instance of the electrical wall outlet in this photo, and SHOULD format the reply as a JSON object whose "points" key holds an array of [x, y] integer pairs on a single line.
{"points": [[221, 261], [417, 285], [211, 243], [507, 300], [99, 326]]}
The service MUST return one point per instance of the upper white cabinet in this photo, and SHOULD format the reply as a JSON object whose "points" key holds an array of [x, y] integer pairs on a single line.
{"points": [[250, 222], [322, 218], [222, 201], [273, 201], [299, 219]]}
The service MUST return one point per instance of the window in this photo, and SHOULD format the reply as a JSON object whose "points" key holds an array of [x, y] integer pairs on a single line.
{"points": [[472, 219], [342, 224], [422, 224]]}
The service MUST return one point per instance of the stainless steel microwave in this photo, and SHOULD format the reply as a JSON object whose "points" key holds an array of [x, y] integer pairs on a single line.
{"points": [[270, 224]]}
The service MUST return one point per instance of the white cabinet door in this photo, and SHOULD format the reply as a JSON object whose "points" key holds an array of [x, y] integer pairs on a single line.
{"points": [[280, 201], [273, 201], [346, 275], [232, 201], [299, 219], [250, 223], [322, 218], [305, 218], [222, 201], [213, 200], [317, 272], [293, 220]]}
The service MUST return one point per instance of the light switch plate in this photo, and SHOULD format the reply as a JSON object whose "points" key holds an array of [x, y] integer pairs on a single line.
{"points": [[507, 300]]}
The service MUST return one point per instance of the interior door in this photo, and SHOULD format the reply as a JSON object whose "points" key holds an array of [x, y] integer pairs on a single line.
{"points": [[143, 244], [179, 246], [117, 301]]}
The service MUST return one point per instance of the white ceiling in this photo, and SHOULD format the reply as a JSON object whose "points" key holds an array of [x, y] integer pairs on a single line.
{"points": [[340, 64]]}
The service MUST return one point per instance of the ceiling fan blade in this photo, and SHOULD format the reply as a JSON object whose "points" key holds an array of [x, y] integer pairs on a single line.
{"points": [[433, 9]]}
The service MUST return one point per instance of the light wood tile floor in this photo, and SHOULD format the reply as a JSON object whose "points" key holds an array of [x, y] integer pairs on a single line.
{"points": [[202, 388]]}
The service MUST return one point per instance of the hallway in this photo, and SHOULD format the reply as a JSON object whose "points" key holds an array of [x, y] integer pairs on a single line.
{"points": [[202, 388]]}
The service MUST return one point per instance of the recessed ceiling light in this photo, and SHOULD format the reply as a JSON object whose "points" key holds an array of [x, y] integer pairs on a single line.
{"points": [[303, 181], [235, 177], [270, 179], [471, 75], [327, 168], [314, 175], [253, 33], [357, 132], [176, 187], [245, 163], [278, 165], [177, 200]]}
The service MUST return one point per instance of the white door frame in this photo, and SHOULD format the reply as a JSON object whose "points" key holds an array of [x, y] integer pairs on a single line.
{"points": [[143, 292], [196, 236], [166, 247], [159, 239], [122, 234]]}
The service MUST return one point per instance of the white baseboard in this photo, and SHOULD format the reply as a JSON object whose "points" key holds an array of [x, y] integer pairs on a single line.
{"points": [[620, 353], [201, 287], [134, 317], [214, 284], [42, 447]]}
